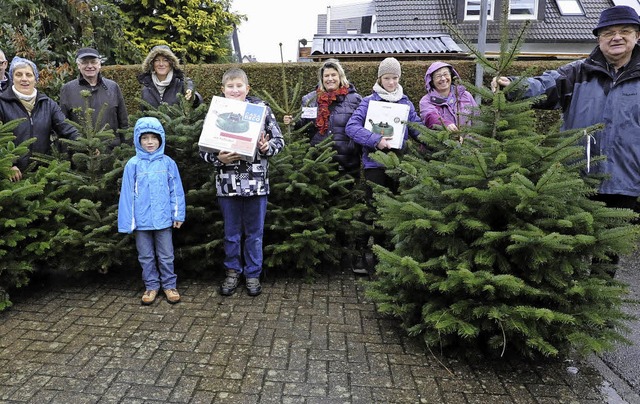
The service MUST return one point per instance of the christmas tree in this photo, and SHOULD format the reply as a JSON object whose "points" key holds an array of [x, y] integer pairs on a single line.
{"points": [[497, 245], [31, 216]]}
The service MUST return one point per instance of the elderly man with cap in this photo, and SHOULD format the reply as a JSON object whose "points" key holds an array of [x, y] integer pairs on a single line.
{"points": [[103, 93], [603, 88], [5, 82]]}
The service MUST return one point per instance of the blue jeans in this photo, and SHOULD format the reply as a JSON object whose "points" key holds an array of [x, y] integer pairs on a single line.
{"points": [[243, 229], [156, 245]]}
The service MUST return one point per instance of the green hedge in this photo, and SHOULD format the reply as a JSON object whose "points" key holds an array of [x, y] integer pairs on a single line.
{"points": [[267, 77]]}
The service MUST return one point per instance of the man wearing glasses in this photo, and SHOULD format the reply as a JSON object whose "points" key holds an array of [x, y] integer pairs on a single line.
{"points": [[603, 88], [101, 92], [5, 83]]}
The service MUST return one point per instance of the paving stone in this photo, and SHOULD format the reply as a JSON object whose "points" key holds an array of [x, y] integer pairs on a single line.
{"points": [[89, 341]]}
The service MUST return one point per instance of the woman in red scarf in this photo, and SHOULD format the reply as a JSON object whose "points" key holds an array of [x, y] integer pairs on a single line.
{"points": [[328, 109]]}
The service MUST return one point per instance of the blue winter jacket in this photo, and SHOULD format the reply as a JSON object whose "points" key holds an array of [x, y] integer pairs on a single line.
{"points": [[368, 140], [151, 197], [589, 93]]}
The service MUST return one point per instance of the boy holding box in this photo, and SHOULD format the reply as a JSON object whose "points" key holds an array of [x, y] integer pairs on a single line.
{"points": [[242, 189]]}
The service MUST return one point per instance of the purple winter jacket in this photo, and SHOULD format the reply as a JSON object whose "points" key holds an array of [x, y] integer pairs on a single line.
{"points": [[436, 110], [356, 130]]}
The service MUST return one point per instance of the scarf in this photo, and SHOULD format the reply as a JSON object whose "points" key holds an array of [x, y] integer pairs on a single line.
{"points": [[162, 85], [325, 99], [28, 101], [387, 96]]}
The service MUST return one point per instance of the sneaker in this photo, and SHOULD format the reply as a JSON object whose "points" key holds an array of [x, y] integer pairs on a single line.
{"points": [[149, 296], [230, 283], [172, 295], [253, 286]]}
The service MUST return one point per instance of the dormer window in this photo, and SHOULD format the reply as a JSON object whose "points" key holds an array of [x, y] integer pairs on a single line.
{"points": [[523, 9], [472, 10], [570, 7], [518, 9]]}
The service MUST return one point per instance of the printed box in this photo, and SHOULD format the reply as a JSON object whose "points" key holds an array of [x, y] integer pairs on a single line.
{"points": [[387, 119], [232, 125]]}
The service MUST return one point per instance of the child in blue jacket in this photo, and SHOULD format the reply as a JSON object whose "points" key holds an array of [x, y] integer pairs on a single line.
{"points": [[151, 205]]}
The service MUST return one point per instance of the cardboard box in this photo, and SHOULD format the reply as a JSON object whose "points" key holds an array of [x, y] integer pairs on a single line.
{"points": [[232, 125], [387, 119]]}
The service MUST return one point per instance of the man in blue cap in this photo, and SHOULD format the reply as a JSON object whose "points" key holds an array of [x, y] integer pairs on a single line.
{"points": [[603, 88], [102, 93]]}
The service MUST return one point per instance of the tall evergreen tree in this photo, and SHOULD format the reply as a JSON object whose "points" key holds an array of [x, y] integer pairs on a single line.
{"points": [[65, 26], [92, 242], [31, 215], [196, 30], [497, 243], [196, 242]]}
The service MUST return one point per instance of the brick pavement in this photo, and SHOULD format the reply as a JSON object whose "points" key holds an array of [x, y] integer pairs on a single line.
{"points": [[88, 340]]}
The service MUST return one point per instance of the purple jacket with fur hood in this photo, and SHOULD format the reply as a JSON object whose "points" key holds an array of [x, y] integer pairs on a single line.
{"points": [[436, 110]]}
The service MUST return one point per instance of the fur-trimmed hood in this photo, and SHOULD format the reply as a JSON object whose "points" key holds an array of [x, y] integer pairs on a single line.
{"points": [[164, 50]]}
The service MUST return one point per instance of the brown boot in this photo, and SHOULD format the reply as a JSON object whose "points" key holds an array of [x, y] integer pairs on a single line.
{"points": [[149, 297]]}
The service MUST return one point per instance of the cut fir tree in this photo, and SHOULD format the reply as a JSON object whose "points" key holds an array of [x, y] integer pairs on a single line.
{"points": [[498, 245]]}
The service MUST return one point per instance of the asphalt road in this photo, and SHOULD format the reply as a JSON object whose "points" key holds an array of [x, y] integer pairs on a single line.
{"points": [[622, 366]]}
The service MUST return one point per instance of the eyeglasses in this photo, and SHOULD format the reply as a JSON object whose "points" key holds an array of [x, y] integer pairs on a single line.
{"points": [[622, 32], [442, 76]]}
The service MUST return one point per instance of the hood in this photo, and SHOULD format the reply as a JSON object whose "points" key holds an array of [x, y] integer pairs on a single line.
{"points": [[435, 66], [164, 50], [148, 124]]}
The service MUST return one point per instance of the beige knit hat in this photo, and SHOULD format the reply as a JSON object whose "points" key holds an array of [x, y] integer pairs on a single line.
{"points": [[389, 66]]}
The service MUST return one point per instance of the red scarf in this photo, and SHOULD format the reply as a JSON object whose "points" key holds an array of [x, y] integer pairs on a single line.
{"points": [[325, 99]]}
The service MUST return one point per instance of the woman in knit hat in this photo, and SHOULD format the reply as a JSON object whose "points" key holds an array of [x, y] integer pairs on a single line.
{"points": [[162, 79], [387, 88], [42, 116]]}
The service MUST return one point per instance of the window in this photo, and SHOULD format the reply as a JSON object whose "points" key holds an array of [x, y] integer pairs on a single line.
{"points": [[472, 10], [523, 9], [570, 7], [518, 9]]}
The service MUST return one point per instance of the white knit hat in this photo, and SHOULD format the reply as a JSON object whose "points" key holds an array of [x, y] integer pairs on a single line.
{"points": [[389, 66]]}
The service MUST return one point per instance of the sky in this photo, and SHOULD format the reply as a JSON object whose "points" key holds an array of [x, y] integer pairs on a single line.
{"points": [[270, 22]]}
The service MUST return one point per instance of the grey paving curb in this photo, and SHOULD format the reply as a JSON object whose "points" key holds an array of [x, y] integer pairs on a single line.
{"points": [[618, 386]]}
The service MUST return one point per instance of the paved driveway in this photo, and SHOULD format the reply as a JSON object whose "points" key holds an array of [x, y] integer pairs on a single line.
{"points": [[89, 340]]}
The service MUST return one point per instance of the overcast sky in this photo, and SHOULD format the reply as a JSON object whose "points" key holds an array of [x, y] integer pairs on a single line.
{"points": [[271, 22]]}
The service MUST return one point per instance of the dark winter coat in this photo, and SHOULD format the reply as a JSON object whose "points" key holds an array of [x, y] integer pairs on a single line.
{"points": [[588, 93], [106, 92], [179, 85], [46, 118], [347, 151], [369, 140], [5, 83]]}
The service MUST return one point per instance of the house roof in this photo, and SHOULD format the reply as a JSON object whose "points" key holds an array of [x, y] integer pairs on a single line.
{"points": [[377, 44], [418, 16]]}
